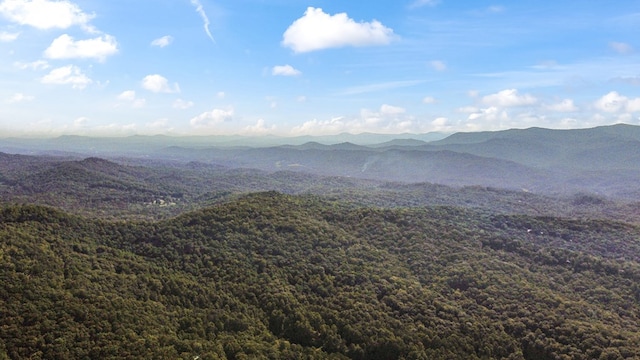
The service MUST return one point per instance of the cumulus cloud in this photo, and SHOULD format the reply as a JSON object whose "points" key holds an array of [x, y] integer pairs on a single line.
{"points": [[259, 128], [509, 98], [213, 117], [45, 14], [182, 104], [492, 113], [620, 47], [285, 70], [130, 97], [65, 47], [19, 97], [391, 110], [159, 84], [316, 30], [205, 18], [565, 105], [438, 65], [7, 36], [614, 102], [163, 41], [67, 75], [441, 123]]}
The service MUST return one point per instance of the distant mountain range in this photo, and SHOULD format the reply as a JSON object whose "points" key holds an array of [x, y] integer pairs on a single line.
{"points": [[602, 160]]}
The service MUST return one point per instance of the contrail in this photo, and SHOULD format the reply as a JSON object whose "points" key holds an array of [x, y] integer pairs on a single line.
{"points": [[204, 17]]}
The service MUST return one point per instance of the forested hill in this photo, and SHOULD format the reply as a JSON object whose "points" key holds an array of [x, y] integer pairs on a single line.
{"points": [[287, 277]]}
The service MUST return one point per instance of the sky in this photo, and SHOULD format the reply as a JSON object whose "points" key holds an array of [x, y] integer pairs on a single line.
{"points": [[293, 67]]}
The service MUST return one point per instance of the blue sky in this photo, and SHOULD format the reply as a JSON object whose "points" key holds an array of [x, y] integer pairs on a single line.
{"points": [[291, 67]]}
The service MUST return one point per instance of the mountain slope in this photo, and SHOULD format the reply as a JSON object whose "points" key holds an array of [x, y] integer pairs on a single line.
{"points": [[295, 277]]}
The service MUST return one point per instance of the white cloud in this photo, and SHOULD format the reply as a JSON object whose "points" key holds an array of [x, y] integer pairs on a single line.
{"points": [[64, 47], [285, 70], [221, 95], [509, 98], [355, 90], [429, 100], [182, 104], [442, 124], [614, 102], [81, 121], [19, 97], [213, 117], [259, 128], [492, 113], [130, 97], [35, 65], [158, 126], [565, 105], [7, 36], [317, 30], [163, 41], [633, 105], [159, 84], [391, 110], [45, 14], [67, 75], [620, 47], [438, 65], [388, 119], [205, 18], [301, 99]]}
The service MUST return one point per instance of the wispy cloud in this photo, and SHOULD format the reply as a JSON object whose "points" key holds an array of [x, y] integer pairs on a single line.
{"points": [[620, 47], [421, 3], [285, 70], [19, 97], [438, 65], [163, 41], [7, 36], [205, 18], [379, 87]]}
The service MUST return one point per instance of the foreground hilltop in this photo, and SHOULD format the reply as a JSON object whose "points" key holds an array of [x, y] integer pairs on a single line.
{"points": [[278, 276]]}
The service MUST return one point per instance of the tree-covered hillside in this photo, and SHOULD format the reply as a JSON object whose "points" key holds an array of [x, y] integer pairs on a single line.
{"points": [[285, 277]]}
